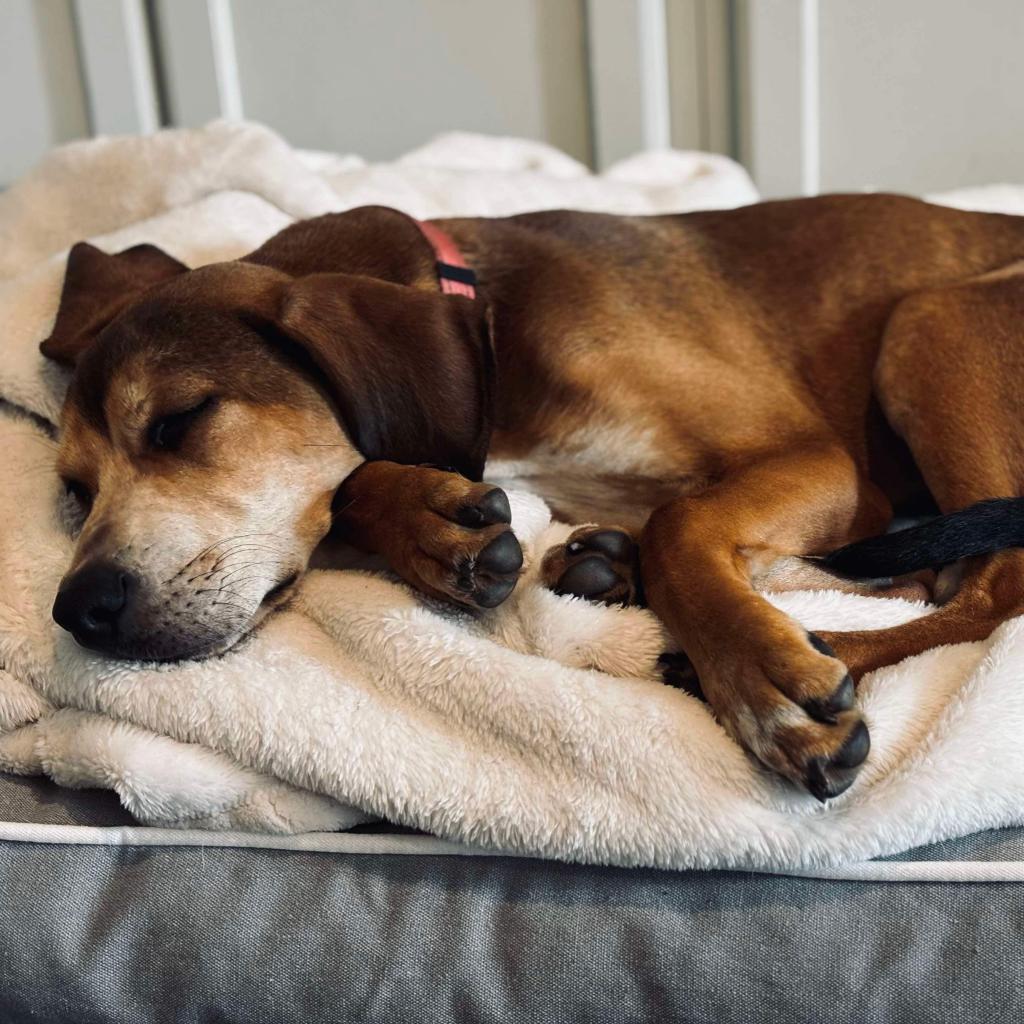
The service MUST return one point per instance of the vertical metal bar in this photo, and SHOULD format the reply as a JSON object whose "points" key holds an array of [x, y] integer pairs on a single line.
{"points": [[655, 108], [771, 89], [810, 99], [225, 59], [117, 64], [629, 77]]}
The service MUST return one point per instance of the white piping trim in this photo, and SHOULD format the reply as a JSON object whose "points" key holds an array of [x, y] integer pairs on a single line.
{"points": [[921, 871], [384, 844], [306, 842]]}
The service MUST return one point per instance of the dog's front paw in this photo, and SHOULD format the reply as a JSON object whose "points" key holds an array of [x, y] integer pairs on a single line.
{"points": [[465, 547], [793, 706], [446, 535], [596, 563]]}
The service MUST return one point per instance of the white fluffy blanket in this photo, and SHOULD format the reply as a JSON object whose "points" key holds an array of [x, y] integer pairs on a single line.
{"points": [[540, 727]]}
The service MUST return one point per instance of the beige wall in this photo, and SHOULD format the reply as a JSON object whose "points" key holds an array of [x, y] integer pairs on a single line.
{"points": [[905, 95], [930, 99], [379, 78], [42, 101], [816, 95]]}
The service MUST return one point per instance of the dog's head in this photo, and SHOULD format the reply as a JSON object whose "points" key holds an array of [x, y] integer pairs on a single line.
{"points": [[210, 418]]}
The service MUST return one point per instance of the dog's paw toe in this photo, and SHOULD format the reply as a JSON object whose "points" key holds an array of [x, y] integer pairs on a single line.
{"points": [[615, 545], [826, 778], [486, 576], [592, 577], [503, 555], [492, 594], [487, 510]]}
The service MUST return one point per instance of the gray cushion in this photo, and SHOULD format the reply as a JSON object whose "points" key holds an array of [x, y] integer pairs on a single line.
{"points": [[102, 933]]}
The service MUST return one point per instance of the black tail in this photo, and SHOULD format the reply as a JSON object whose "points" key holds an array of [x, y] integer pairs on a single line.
{"points": [[977, 530]]}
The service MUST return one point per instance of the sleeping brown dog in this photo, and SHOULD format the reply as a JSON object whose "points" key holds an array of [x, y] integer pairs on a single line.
{"points": [[739, 388]]}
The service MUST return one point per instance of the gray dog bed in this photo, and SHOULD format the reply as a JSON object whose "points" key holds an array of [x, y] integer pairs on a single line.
{"points": [[121, 932]]}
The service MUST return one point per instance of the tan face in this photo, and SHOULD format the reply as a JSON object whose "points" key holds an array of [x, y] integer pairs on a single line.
{"points": [[200, 503], [198, 435]]}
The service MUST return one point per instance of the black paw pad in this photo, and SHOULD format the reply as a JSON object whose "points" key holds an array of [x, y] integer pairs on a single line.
{"points": [[613, 544], [502, 556], [492, 508], [589, 577], [491, 595]]}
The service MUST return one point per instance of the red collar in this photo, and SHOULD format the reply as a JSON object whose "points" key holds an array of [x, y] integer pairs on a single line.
{"points": [[453, 273]]}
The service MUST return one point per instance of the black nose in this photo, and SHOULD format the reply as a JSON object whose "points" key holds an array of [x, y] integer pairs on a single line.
{"points": [[90, 603]]}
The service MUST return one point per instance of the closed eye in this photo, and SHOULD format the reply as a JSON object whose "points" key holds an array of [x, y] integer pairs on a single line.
{"points": [[76, 507], [168, 432], [79, 493]]}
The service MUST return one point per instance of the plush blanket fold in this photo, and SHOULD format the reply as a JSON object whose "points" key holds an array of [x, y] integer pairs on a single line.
{"points": [[540, 727]]}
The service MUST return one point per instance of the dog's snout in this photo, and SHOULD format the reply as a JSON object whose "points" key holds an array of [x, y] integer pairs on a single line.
{"points": [[90, 603]]}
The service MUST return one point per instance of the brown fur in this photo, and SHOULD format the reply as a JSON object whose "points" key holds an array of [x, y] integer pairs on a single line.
{"points": [[740, 387]]}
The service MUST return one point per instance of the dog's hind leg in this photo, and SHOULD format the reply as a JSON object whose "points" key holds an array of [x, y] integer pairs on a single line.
{"points": [[950, 378]]}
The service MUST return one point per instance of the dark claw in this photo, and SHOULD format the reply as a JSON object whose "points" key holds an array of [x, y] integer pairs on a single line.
{"points": [[828, 710], [823, 787], [491, 596], [502, 556], [615, 544], [855, 750], [818, 783], [492, 508], [827, 779], [589, 577], [820, 646]]}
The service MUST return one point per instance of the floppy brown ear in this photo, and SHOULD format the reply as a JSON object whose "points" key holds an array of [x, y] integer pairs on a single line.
{"points": [[97, 286], [411, 372]]}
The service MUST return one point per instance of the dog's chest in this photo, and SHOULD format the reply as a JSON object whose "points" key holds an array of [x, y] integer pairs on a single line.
{"points": [[598, 473]]}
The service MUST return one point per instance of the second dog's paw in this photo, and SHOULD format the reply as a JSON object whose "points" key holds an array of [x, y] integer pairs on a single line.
{"points": [[596, 563]]}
